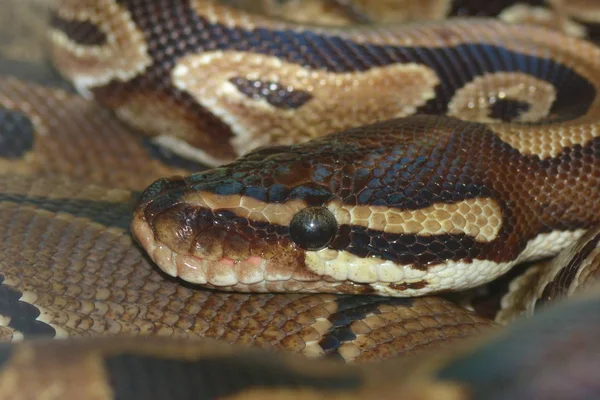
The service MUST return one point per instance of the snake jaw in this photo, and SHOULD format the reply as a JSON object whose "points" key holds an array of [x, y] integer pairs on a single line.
{"points": [[218, 272], [200, 255], [205, 246]]}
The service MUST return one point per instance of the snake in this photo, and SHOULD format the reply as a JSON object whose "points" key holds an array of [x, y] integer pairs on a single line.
{"points": [[346, 175]]}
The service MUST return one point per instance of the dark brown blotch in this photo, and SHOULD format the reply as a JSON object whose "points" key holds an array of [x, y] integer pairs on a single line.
{"points": [[84, 33], [408, 285], [277, 95]]}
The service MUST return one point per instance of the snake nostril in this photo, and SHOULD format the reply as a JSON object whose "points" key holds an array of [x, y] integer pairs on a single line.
{"points": [[176, 227]]}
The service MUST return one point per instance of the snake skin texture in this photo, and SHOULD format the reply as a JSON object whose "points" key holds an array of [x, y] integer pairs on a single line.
{"points": [[505, 366], [372, 169], [420, 204], [70, 268], [425, 219], [577, 18], [341, 72]]}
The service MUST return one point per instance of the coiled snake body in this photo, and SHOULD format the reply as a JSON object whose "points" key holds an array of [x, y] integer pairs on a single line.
{"points": [[464, 147]]}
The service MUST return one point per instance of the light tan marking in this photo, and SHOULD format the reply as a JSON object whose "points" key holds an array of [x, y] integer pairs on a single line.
{"points": [[545, 142], [300, 11], [480, 217], [414, 34], [340, 100], [326, 13], [123, 57], [185, 150], [83, 374], [529, 39], [170, 125], [542, 16], [472, 102]]}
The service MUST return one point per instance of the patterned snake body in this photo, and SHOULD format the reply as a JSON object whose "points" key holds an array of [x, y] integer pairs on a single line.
{"points": [[477, 150], [408, 207], [404, 207], [280, 83], [155, 368]]}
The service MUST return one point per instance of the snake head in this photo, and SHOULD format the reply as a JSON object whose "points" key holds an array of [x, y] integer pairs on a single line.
{"points": [[244, 226], [397, 208]]}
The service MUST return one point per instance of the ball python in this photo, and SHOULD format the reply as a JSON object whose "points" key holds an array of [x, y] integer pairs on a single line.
{"points": [[75, 270]]}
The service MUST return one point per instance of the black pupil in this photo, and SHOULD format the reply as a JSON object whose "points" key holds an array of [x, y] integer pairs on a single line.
{"points": [[313, 228]]}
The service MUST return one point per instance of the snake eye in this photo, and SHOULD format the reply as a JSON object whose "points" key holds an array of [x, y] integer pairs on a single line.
{"points": [[312, 228]]}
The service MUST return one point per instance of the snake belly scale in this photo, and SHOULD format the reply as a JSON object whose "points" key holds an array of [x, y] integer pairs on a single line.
{"points": [[356, 166]]}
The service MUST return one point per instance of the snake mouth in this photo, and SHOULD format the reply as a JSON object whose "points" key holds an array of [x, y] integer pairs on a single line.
{"points": [[252, 274], [246, 274], [209, 245], [222, 272]]}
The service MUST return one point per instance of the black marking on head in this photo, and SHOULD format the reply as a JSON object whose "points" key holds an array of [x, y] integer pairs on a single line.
{"points": [[351, 309], [134, 376], [107, 213], [34, 72], [84, 33], [408, 249], [22, 315], [419, 251], [559, 286], [17, 134], [170, 158], [275, 94], [508, 110]]}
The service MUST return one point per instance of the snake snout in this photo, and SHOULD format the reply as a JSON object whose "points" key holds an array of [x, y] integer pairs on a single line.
{"points": [[194, 241]]}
